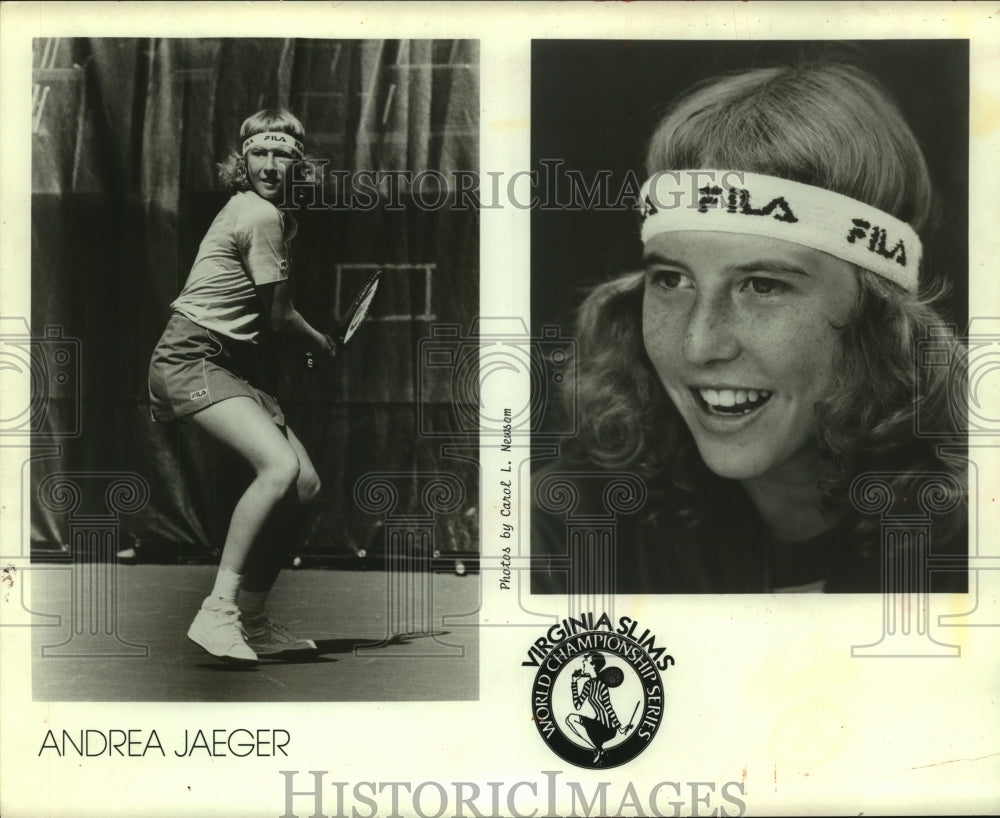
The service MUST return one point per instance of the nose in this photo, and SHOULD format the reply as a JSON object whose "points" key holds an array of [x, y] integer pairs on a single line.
{"points": [[271, 163], [711, 333]]}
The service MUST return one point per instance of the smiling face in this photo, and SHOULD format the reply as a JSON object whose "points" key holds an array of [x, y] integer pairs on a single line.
{"points": [[267, 169], [742, 333]]}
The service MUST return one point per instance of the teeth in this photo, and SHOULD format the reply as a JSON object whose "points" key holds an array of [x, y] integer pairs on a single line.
{"points": [[728, 398]]}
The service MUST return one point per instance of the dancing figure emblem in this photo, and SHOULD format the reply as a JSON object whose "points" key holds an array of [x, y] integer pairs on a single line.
{"points": [[598, 697]]}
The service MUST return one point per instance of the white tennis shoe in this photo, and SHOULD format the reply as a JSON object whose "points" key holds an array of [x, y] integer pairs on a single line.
{"points": [[266, 637], [217, 630]]}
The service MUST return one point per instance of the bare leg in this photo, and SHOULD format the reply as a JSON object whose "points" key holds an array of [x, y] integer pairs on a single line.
{"points": [[307, 485], [265, 561], [243, 425]]}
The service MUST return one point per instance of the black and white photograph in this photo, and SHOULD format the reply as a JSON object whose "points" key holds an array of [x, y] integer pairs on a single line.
{"points": [[750, 324], [494, 410], [242, 245]]}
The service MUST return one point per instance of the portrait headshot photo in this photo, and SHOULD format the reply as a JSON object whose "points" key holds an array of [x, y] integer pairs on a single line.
{"points": [[754, 247]]}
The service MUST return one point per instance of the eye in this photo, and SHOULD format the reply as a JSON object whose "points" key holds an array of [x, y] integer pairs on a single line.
{"points": [[669, 279], [759, 285]]}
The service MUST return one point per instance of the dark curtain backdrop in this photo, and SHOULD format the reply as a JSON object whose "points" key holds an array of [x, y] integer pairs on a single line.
{"points": [[126, 134]]}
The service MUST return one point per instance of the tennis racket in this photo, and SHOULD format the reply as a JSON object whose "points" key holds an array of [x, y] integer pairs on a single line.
{"points": [[355, 315], [631, 721]]}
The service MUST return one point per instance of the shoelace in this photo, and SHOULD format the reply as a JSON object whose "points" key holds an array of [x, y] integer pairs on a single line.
{"points": [[281, 630], [259, 624], [228, 620], [262, 627], [227, 616]]}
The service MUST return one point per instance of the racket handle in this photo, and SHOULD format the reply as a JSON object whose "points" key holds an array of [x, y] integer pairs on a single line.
{"points": [[313, 360]]}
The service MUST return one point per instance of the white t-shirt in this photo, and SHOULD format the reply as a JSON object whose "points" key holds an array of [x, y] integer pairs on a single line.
{"points": [[247, 246]]}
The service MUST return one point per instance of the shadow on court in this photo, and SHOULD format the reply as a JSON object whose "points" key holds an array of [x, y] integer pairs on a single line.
{"points": [[141, 652]]}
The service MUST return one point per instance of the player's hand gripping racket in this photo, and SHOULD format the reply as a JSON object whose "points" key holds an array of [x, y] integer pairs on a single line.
{"points": [[354, 317]]}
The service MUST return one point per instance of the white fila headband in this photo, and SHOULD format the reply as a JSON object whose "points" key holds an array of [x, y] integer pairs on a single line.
{"points": [[752, 204], [271, 139]]}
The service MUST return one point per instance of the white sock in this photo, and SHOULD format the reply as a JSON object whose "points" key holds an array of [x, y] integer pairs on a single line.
{"points": [[252, 602], [227, 583]]}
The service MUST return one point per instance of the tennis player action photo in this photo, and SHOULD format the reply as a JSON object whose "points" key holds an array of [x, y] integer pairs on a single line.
{"points": [[763, 358], [207, 370]]}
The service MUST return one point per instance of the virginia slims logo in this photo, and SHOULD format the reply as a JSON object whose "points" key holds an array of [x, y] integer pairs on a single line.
{"points": [[598, 697]]}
